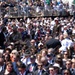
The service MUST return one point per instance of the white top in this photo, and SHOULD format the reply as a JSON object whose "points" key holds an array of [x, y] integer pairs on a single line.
{"points": [[66, 43]]}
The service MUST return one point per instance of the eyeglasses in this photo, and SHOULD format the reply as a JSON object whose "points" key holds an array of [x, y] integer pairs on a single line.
{"points": [[67, 63], [66, 73], [9, 65], [13, 53]]}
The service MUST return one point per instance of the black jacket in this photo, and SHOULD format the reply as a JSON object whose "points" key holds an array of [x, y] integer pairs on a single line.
{"points": [[11, 73], [43, 72]]}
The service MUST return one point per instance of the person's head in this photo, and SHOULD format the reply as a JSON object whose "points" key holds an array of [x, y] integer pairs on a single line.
{"points": [[68, 64], [65, 55], [51, 70], [32, 42], [50, 50], [21, 67], [44, 60], [66, 72], [7, 58], [9, 66], [40, 66], [32, 59], [40, 45], [38, 57], [33, 50], [13, 53], [49, 56], [73, 63], [65, 35], [44, 52], [56, 67]]}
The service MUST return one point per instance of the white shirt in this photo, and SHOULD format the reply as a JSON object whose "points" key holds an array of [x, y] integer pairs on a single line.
{"points": [[21, 73], [26, 61], [66, 43]]}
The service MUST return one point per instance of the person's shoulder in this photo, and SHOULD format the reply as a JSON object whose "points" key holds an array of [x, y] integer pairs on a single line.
{"points": [[2, 73], [45, 72], [13, 73], [29, 73]]}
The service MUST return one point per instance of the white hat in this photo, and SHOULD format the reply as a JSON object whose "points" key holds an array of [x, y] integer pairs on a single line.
{"points": [[11, 43], [40, 44], [56, 19], [14, 51], [6, 15], [63, 48], [56, 65]]}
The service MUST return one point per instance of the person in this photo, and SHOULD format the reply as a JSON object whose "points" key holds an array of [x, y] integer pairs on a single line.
{"points": [[8, 69], [66, 72], [1, 64], [22, 69], [51, 70], [66, 42], [69, 66], [40, 70], [33, 65], [45, 63]]}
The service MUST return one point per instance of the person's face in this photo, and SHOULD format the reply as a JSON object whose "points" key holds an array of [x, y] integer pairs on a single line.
{"points": [[39, 67], [32, 42], [65, 54], [38, 57], [68, 65], [51, 71], [73, 64], [7, 52], [43, 53], [49, 51], [66, 73], [9, 67], [6, 57], [21, 69]]}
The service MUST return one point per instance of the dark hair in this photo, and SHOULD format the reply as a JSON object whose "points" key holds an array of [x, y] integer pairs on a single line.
{"points": [[9, 62], [67, 71], [21, 65]]}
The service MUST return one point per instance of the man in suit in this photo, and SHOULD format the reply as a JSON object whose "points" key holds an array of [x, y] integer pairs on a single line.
{"points": [[33, 65], [22, 70], [40, 70]]}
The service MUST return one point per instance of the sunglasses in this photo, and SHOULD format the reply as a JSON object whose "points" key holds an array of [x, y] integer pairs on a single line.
{"points": [[66, 73]]}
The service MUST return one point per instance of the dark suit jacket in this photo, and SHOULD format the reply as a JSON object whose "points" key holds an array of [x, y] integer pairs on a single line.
{"points": [[43, 72], [27, 73], [12, 73], [35, 67]]}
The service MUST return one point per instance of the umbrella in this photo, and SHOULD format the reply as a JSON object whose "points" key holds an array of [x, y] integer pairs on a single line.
{"points": [[53, 43]]}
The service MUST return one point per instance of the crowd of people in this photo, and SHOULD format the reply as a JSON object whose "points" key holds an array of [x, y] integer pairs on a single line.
{"points": [[37, 46], [30, 45], [34, 7]]}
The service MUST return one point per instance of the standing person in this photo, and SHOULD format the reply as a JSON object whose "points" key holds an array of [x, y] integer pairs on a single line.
{"points": [[8, 69], [33, 65]]}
